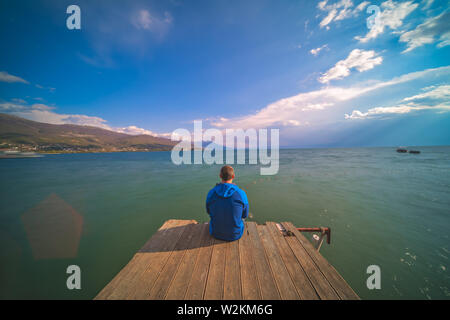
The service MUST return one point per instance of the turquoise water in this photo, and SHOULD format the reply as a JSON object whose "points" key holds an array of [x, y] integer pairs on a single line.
{"points": [[384, 208]]}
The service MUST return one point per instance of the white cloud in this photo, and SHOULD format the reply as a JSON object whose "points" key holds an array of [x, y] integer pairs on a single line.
{"points": [[391, 16], [400, 109], [133, 130], [292, 123], [6, 77], [435, 97], [307, 107], [144, 20], [40, 106], [44, 113], [434, 29], [435, 93], [362, 6], [357, 59], [340, 10], [17, 100], [427, 4], [346, 12], [326, 21], [322, 4], [45, 88], [356, 114], [11, 107], [129, 30], [317, 106], [316, 51]]}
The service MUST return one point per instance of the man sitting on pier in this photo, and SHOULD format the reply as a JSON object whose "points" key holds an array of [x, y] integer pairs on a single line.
{"points": [[227, 205]]}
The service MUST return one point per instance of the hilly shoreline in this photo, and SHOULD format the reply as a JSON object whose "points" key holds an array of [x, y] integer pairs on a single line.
{"points": [[25, 135]]}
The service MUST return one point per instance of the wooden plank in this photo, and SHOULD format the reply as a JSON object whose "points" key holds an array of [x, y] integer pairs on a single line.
{"points": [[216, 274], [334, 278], [113, 284], [269, 290], [106, 291], [249, 280], [153, 263], [179, 285], [232, 278], [187, 240], [169, 224], [298, 275], [282, 278], [197, 283], [150, 254], [310, 282], [316, 277], [116, 288], [186, 262]]}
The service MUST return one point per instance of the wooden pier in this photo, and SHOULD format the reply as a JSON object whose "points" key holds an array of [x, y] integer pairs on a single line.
{"points": [[182, 261]]}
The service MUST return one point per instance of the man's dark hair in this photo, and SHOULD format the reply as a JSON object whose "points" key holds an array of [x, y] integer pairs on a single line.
{"points": [[226, 173]]}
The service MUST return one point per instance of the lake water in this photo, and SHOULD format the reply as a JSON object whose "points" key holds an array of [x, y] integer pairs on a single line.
{"points": [[96, 210]]}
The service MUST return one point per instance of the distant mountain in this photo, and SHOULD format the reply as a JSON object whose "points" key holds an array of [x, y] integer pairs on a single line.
{"points": [[27, 135]]}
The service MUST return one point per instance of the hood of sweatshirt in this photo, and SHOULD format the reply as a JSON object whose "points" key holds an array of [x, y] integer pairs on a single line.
{"points": [[225, 190]]}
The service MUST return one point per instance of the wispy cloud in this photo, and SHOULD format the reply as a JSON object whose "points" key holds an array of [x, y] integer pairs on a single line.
{"points": [[316, 51], [144, 20], [360, 60], [441, 92], [6, 77], [435, 98], [380, 112], [434, 29], [391, 16], [18, 100], [304, 108], [132, 30], [427, 4], [339, 10], [44, 88]]}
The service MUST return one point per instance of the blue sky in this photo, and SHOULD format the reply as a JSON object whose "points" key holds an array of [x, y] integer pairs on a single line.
{"points": [[313, 69]]}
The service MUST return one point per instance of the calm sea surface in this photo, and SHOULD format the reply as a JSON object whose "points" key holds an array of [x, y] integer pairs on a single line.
{"points": [[384, 208]]}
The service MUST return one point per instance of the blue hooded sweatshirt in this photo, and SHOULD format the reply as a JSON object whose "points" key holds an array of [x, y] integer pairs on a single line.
{"points": [[227, 205]]}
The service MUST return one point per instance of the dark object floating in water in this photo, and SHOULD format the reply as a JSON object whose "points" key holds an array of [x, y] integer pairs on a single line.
{"points": [[404, 150]]}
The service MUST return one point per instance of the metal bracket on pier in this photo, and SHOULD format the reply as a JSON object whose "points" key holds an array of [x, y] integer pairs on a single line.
{"points": [[318, 239]]}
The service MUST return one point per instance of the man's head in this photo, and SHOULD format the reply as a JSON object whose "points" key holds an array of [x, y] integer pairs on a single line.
{"points": [[227, 174]]}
